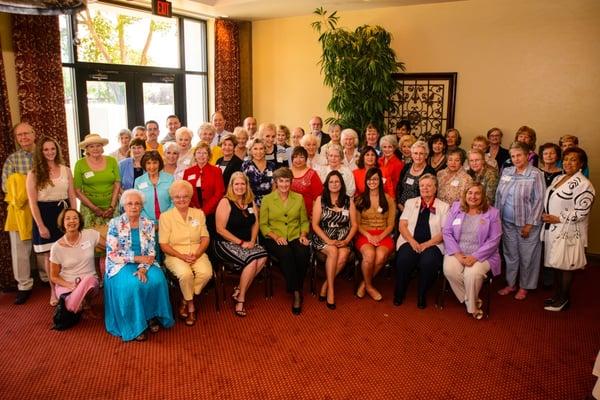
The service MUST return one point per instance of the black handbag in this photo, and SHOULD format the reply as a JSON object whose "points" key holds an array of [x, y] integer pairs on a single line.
{"points": [[63, 318]]}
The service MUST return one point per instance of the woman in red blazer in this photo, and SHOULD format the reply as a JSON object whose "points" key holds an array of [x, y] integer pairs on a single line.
{"points": [[207, 182]]}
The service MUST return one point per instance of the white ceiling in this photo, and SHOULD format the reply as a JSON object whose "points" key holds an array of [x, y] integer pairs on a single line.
{"points": [[266, 9]]}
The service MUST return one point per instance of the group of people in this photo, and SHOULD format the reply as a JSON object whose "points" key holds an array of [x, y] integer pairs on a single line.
{"points": [[265, 191]]}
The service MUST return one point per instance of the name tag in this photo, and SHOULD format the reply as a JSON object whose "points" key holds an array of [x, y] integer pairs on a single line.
{"points": [[410, 181], [279, 159], [379, 210], [457, 221], [269, 173], [345, 213], [88, 174], [222, 167], [191, 177], [506, 178], [187, 161], [269, 157], [85, 245], [195, 223], [384, 180], [455, 183], [250, 210], [143, 185]]}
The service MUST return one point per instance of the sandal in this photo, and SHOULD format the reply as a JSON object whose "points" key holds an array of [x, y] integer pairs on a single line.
{"points": [[506, 290], [54, 302], [141, 337], [183, 312], [236, 293], [242, 312], [361, 291], [478, 303], [153, 326], [191, 319], [478, 314], [521, 294]]}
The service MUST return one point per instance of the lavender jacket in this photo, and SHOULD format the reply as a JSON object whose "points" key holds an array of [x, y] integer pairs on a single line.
{"points": [[490, 231]]}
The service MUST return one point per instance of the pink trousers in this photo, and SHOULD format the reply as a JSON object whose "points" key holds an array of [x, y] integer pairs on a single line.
{"points": [[74, 300]]}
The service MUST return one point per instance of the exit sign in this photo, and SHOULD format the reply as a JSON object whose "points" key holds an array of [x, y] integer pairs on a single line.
{"points": [[162, 8]]}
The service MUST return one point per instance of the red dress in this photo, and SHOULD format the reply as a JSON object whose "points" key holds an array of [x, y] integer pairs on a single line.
{"points": [[212, 188], [309, 186], [391, 173]]}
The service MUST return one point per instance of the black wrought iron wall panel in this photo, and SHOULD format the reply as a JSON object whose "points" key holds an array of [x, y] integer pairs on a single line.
{"points": [[427, 100]]}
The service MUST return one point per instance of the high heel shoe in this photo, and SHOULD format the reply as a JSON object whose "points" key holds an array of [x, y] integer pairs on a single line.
{"points": [[297, 303], [331, 306], [558, 305]]}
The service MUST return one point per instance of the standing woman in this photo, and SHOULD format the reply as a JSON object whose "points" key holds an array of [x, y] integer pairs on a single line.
{"points": [[230, 162], [453, 180], [50, 190], [335, 134], [334, 156], [527, 136], [350, 144], [405, 144], [97, 182], [568, 201], [241, 135], [437, 152], [482, 172], [368, 159], [376, 213], [285, 226], [183, 137], [453, 141], [154, 184], [283, 136], [334, 226], [306, 180], [520, 198], [123, 151], [390, 165], [551, 154], [131, 168], [171, 155], [136, 296], [408, 185], [259, 171], [207, 182], [311, 143], [472, 235], [496, 151], [237, 230], [273, 151]]}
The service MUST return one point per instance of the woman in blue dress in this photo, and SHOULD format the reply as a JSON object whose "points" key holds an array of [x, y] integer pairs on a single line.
{"points": [[136, 296], [259, 171]]}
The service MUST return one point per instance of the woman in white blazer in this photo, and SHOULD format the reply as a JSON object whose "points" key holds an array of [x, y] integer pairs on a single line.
{"points": [[567, 205], [420, 243]]}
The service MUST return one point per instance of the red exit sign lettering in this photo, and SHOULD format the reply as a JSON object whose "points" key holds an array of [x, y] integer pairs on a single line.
{"points": [[162, 8]]}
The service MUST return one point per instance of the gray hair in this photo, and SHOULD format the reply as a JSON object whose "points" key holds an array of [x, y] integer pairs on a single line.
{"points": [[349, 132], [308, 137], [207, 127], [168, 146], [131, 192], [389, 139], [421, 144], [124, 131], [183, 130], [334, 147]]}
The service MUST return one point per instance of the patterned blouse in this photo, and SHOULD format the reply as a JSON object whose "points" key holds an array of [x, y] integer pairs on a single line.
{"points": [[489, 179], [260, 181], [451, 185], [309, 186]]}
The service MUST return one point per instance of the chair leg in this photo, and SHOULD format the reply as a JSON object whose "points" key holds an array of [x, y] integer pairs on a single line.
{"points": [[441, 300], [313, 273], [489, 298], [217, 302]]}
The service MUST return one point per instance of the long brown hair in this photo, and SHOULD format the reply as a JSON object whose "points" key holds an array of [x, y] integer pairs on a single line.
{"points": [[40, 165]]}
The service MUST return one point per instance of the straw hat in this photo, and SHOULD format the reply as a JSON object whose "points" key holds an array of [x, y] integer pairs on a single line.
{"points": [[93, 138]]}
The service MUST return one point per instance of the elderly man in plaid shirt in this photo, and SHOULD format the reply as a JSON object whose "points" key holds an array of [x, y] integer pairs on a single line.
{"points": [[20, 162]]}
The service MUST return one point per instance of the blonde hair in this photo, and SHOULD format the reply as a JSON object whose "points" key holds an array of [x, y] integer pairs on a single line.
{"points": [[202, 145], [407, 138], [181, 184], [248, 196], [484, 206]]}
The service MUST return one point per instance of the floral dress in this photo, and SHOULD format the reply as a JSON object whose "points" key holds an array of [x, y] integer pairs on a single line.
{"points": [[260, 181]]}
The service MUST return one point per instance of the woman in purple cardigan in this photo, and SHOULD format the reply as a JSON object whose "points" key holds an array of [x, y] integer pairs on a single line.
{"points": [[471, 237]]}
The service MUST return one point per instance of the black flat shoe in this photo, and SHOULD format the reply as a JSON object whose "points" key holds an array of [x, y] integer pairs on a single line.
{"points": [[558, 305], [22, 296], [397, 302], [331, 306], [322, 298], [296, 310], [421, 303]]}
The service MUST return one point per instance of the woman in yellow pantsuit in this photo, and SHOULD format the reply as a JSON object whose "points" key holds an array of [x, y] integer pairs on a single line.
{"points": [[183, 238]]}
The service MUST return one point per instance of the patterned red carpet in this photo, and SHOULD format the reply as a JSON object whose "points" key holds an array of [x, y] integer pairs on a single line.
{"points": [[362, 350]]}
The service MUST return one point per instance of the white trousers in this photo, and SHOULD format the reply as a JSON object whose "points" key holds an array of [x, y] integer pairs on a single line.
{"points": [[465, 282], [20, 251]]}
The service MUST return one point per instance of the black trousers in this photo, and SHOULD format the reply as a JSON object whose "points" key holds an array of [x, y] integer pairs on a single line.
{"points": [[428, 262], [293, 260]]}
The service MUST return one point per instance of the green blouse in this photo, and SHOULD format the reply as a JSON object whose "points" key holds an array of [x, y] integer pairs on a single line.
{"points": [[97, 185], [287, 220]]}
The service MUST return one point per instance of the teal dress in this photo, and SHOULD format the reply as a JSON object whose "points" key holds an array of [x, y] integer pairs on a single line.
{"points": [[129, 304]]}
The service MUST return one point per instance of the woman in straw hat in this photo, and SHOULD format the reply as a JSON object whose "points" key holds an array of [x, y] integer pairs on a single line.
{"points": [[97, 182]]}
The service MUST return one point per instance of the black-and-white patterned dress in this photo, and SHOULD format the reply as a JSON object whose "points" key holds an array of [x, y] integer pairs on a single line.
{"points": [[335, 224]]}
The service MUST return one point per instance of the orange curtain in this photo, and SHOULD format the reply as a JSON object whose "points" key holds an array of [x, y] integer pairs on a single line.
{"points": [[227, 71], [36, 41]]}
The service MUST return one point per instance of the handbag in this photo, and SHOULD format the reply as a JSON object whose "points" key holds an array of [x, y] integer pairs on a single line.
{"points": [[63, 318], [567, 250]]}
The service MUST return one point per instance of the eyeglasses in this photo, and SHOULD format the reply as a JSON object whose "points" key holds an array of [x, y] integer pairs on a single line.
{"points": [[134, 204]]}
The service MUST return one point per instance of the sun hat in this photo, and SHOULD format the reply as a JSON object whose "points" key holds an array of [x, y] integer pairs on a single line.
{"points": [[93, 138]]}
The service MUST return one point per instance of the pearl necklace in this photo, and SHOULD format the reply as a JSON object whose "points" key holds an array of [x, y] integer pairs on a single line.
{"points": [[74, 243]]}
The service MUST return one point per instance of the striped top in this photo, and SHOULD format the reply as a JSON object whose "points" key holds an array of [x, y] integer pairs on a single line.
{"points": [[527, 190]]}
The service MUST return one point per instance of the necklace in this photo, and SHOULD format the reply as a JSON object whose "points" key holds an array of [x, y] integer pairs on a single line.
{"points": [[74, 243]]}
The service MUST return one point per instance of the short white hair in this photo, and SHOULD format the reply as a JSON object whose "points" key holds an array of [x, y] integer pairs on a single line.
{"points": [[183, 130], [421, 144], [389, 139], [309, 137], [349, 132], [131, 192], [167, 146]]}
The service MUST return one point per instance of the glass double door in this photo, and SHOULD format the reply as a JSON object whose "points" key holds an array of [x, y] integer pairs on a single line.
{"points": [[109, 101]]}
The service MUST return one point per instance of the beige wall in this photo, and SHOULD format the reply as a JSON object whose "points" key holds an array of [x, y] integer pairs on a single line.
{"points": [[533, 62]]}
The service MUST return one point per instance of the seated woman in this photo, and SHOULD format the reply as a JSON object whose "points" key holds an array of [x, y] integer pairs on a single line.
{"points": [[334, 226], [376, 213], [284, 224], [453, 179], [136, 296], [420, 242], [207, 181], [472, 235], [183, 237], [237, 227], [72, 268]]}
